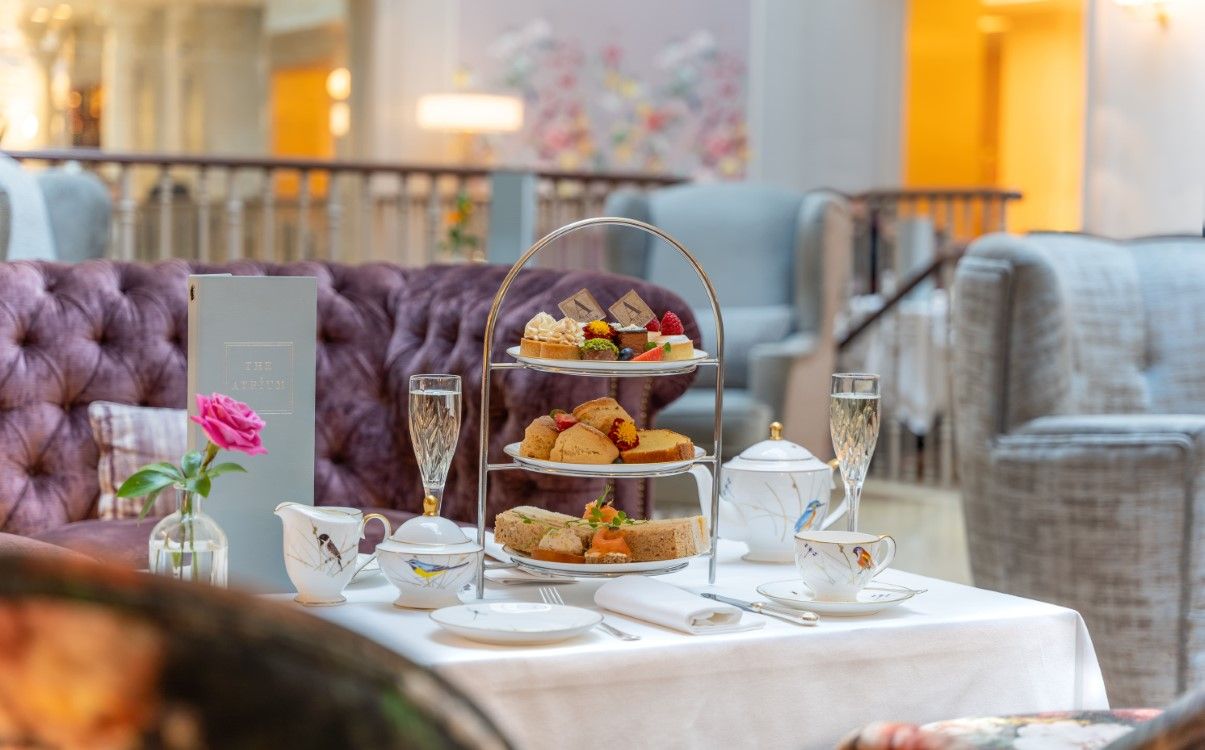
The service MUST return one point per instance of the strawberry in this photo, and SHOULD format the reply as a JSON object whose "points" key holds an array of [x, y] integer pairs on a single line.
{"points": [[656, 354], [564, 421], [653, 326], [671, 325]]}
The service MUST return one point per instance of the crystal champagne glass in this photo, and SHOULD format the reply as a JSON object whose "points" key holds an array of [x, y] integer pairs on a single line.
{"points": [[853, 412], [434, 428]]}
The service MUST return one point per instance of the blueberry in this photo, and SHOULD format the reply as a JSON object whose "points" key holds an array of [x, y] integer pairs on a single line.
{"points": [[626, 353]]}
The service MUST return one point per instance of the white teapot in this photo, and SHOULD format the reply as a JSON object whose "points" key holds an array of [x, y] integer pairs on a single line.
{"points": [[771, 491]]}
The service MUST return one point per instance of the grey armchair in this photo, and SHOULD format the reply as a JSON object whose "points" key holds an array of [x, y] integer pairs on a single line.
{"points": [[779, 260], [1080, 411], [78, 209]]}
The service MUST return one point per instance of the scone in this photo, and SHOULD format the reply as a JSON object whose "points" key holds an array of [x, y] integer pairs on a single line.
{"points": [[538, 438], [601, 413], [659, 446], [582, 444]]}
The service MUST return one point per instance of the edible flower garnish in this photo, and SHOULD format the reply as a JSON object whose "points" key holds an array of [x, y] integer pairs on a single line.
{"points": [[623, 434], [598, 329]]}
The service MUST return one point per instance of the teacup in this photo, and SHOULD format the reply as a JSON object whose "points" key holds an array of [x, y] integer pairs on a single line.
{"points": [[836, 565]]}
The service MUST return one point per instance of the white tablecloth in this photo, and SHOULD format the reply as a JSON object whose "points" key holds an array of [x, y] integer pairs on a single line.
{"points": [[953, 651]]}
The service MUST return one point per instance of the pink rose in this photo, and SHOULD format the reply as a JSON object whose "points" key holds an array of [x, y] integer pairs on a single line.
{"points": [[229, 424]]}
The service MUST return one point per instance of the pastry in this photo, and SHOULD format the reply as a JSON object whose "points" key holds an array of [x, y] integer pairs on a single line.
{"points": [[522, 528], [680, 346], [548, 338], [600, 350], [601, 413], [659, 446], [598, 329], [538, 438], [631, 337], [583, 444]]}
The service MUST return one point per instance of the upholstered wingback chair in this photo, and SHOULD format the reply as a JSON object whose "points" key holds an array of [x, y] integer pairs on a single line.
{"points": [[78, 210], [779, 261], [1080, 411], [73, 334]]}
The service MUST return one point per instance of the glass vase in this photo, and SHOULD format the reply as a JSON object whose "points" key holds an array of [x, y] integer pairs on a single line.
{"points": [[188, 544]]}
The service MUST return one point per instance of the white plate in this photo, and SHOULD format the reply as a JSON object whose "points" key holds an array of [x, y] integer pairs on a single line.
{"points": [[601, 470], [365, 571], [664, 367], [508, 623], [597, 569], [874, 598]]}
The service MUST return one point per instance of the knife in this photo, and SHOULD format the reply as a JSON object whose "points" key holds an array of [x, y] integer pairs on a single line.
{"points": [[799, 617]]}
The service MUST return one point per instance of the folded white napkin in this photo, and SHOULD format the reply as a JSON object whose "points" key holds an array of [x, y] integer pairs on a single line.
{"points": [[655, 601]]}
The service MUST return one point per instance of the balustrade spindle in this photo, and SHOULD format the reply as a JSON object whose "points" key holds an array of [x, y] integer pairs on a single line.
{"points": [[267, 250], [403, 249], [303, 215], [433, 218], [203, 214], [234, 217], [125, 212], [364, 248], [334, 218], [165, 213]]}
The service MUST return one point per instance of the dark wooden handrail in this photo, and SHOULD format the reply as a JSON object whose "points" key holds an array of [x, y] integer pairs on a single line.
{"points": [[939, 193], [913, 281], [96, 156]]}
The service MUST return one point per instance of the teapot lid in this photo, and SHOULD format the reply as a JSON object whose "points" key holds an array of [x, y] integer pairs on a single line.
{"points": [[776, 454], [429, 532]]}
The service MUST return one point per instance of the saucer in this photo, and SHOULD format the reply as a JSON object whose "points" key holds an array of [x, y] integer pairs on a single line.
{"points": [[514, 623], [874, 598], [363, 572]]}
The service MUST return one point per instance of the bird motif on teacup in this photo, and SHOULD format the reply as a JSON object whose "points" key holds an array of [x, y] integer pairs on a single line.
{"points": [[808, 517], [428, 571], [865, 561]]}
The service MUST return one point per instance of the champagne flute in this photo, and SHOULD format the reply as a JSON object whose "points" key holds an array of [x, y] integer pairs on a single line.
{"points": [[853, 412], [434, 427]]}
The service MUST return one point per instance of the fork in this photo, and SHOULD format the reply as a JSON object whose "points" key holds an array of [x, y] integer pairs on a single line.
{"points": [[552, 596]]}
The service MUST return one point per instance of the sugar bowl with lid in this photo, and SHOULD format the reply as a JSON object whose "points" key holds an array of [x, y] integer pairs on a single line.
{"points": [[429, 559]]}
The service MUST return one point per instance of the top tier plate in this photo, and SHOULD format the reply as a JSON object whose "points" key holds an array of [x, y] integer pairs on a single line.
{"points": [[612, 369]]}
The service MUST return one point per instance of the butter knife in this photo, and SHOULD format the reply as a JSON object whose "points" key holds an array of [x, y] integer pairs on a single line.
{"points": [[800, 617]]}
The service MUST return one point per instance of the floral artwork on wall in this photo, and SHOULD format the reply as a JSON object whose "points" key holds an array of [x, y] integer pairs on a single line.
{"points": [[666, 96]]}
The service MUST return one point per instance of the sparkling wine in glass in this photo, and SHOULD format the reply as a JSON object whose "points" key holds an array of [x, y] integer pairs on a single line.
{"points": [[853, 412], [434, 427]]}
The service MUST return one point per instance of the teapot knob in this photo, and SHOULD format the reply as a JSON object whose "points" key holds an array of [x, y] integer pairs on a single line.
{"points": [[430, 506], [776, 430]]}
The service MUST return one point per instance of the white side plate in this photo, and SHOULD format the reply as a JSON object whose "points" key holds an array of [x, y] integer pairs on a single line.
{"points": [[515, 623], [874, 598], [602, 470]]}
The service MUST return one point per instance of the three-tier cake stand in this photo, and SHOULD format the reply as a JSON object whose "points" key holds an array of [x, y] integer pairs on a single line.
{"points": [[609, 370]]}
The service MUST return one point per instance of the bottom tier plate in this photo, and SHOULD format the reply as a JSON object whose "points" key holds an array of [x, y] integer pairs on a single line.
{"points": [[595, 570]]}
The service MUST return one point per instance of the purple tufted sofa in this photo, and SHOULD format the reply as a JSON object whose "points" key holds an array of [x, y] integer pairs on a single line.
{"points": [[73, 334]]}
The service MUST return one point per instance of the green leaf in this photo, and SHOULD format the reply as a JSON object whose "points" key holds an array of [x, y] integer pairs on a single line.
{"points": [[163, 467], [148, 504], [191, 462], [144, 482], [216, 471], [203, 486]]}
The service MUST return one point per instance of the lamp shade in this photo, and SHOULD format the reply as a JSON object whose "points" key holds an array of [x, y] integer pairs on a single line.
{"points": [[470, 113]]}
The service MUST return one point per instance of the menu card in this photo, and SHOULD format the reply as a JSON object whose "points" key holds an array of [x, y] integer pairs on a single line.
{"points": [[253, 339]]}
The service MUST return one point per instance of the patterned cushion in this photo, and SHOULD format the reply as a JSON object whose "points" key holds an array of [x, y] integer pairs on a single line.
{"points": [[127, 438]]}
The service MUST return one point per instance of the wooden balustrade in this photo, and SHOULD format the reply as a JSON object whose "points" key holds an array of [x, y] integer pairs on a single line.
{"points": [[177, 205]]}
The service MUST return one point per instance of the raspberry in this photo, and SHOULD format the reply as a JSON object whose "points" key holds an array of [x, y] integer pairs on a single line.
{"points": [[671, 325], [653, 326]]}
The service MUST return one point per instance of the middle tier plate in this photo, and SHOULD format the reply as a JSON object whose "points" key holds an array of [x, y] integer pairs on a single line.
{"points": [[611, 369], [602, 470]]}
